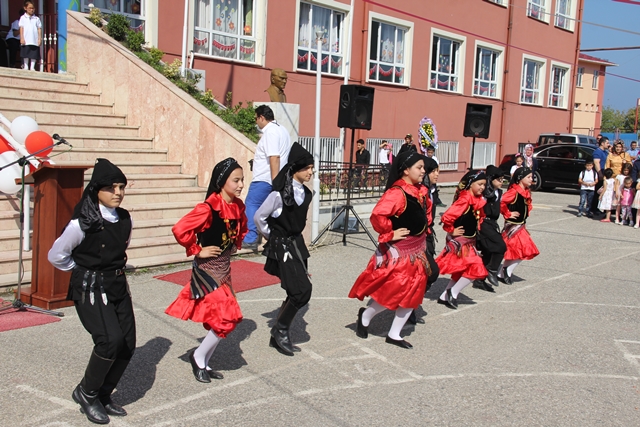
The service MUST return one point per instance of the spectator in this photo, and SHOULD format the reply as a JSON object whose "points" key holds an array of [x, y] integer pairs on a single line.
{"points": [[588, 179], [518, 165], [13, 41], [431, 153], [633, 151], [407, 145], [599, 159], [607, 194], [383, 158], [30, 36], [617, 159], [363, 159]]}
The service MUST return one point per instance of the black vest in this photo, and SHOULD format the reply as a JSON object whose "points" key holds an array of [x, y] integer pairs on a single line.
{"points": [[469, 221], [519, 205], [293, 219], [105, 250], [218, 234], [492, 208], [414, 217]]}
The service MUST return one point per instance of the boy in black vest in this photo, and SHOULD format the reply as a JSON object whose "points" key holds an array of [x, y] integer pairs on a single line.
{"points": [[93, 245], [281, 219]]}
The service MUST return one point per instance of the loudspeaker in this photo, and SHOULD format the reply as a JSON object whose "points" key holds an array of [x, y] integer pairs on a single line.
{"points": [[356, 107], [477, 120]]}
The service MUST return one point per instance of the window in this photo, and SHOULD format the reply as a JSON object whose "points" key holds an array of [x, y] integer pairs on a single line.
{"points": [[500, 2], [447, 154], [579, 76], [485, 81], [562, 152], [445, 64], [564, 14], [596, 73], [558, 87], [576, 106], [386, 53], [313, 18], [132, 9], [484, 154], [532, 81], [536, 9]]}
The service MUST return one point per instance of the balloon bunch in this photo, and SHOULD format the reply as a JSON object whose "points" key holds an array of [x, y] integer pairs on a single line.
{"points": [[25, 133]]}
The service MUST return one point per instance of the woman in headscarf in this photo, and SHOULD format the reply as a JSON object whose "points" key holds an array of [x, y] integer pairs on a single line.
{"points": [[281, 220], [461, 222], [396, 276], [490, 241], [212, 231], [94, 245], [515, 206]]}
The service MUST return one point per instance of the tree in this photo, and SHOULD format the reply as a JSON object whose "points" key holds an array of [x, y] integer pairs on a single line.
{"points": [[613, 119]]}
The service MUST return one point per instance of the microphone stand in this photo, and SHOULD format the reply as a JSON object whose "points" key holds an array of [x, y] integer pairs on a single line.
{"points": [[17, 302]]}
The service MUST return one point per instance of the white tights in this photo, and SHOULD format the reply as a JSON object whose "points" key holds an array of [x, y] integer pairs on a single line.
{"points": [[510, 265], [456, 287], [402, 315], [25, 61], [204, 352]]}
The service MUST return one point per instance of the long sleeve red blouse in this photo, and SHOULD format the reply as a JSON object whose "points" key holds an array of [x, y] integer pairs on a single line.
{"points": [[510, 196], [459, 207]]}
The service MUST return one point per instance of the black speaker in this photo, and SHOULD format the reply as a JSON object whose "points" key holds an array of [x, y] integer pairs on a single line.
{"points": [[477, 121], [356, 107]]}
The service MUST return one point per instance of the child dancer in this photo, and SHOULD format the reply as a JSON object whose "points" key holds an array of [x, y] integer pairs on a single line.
{"points": [[515, 207], [519, 163], [212, 231], [616, 203], [609, 188], [626, 199], [281, 219], [490, 241], [94, 245], [461, 222], [30, 36], [396, 276]]}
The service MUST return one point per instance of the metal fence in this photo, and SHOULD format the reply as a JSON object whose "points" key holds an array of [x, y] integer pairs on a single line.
{"points": [[330, 148], [49, 45], [336, 179], [373, 145]]}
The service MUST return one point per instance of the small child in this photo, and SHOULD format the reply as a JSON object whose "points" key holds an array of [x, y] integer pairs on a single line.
{"points": [[519, 163], [30, 36], [626, 199], [636, 204], [609, 187], [588, 179], [625, 172]]}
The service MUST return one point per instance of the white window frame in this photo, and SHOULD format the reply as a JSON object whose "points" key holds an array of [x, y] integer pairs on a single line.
{"points": [[328, 4], [564, 85], [541, 79], [408, 47], [594, 83], [484, 154], [460, 59], [447, 154], [138, 17], [537, 9], [258, 36], [564, 20], [579, 75], [499, 73], [503, 3]]}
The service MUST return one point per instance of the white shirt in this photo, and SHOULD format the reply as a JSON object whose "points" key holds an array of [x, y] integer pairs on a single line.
{"points": [[30, 24], [15, 25], [272, 206], [275, 141], [515, 168], [60, 252], [588, 177], [383, 156]]}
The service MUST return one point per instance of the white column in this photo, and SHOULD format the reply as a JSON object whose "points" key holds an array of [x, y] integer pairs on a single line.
{"points": [[184, 37], [315, 224]]}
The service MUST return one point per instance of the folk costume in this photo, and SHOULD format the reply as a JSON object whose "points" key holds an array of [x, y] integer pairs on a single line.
{"points": [[93, 245], [396, 276], [520, 246], [489, 240], [281, 219], [460, 257], [209, 297]]}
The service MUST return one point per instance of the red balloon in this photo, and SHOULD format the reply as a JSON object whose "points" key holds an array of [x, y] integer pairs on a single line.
{"points": [[36, 141], [4, 145]]}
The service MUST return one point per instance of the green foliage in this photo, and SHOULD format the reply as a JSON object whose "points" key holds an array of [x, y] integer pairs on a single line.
{"points": [[156, 54], [172, 71], [118, 26], [96, 17], [135, 40], [613, 119]]}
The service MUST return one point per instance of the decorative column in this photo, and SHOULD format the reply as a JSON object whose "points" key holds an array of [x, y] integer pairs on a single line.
{"points": [[63, 6]]}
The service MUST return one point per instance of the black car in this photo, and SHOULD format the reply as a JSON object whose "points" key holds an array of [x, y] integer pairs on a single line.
{"points": [[558, 165]]}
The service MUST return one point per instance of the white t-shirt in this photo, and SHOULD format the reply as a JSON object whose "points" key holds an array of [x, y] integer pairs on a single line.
{"points": [[30, 25], [588, 177], [382, 155], [15, 25], [275, 141]]}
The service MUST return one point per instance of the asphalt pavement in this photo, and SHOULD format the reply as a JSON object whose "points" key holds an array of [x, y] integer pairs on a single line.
{"points": [[559, 347]]}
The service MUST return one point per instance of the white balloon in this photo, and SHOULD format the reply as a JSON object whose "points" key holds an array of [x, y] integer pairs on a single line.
{"points": [[21, 127], [8, 175]]}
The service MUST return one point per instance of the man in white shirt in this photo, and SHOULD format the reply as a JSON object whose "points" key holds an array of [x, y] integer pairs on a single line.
{"points": [[272, 153]]}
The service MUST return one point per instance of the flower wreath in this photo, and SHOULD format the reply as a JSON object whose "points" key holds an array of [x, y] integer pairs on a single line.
{"points": [[428, 135]]}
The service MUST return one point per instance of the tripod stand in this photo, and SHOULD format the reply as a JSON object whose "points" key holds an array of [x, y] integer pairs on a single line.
{"points": [[346, 208], [17, 302]]}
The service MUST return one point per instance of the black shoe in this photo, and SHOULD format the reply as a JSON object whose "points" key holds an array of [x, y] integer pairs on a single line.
{"points": [[492, 278], [447, 303], [506, 279], [295, 348], [441, 205], [214, 375], [90, 405], [113, 408], [361, 330], [452, 300], [110, 382], [399, 343], [200, 374], [481, 284], [280, 331], [414, 319]]}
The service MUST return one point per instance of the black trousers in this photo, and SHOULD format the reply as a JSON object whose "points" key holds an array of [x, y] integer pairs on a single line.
{"points": [[287, 259], [491, 244], [433, 266]]}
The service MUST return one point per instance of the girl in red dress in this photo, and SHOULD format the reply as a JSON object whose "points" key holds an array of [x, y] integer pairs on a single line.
{"points": [[461, 222], [515, 207], [396, 275], [212, 231]]}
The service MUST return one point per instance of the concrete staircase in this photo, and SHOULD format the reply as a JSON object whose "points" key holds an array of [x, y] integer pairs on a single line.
{"points": [[158, 193]]}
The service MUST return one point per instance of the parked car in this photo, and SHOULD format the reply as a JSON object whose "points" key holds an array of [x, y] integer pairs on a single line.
{"points": [[558, 164], [569, 138]]}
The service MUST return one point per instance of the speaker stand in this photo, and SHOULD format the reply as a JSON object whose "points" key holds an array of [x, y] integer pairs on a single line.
{"points": [[346, 208], [473, 149]]}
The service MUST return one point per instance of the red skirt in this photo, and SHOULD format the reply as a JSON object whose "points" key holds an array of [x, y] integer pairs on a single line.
{"points": [[396, 275], [519, 242], [460, 258]]}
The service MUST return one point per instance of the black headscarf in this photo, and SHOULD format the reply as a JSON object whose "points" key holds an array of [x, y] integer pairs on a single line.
{"points": [[468, 179], [220, 174], [400, 163], [519, 174], [299, 158], [492, 173], [87, 211], [429, 166]]}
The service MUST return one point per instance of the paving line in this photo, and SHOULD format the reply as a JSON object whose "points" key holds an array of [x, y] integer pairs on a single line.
{"points": [[631, 358]]}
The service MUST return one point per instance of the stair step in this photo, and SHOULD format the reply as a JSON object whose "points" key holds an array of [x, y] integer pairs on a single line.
{"points": [[116, 155], [33, 105], [63, 118], [9, 261], [9, 239], [157, 180], [153, 228], [177, 258], [31, 75], [42, 81], [137, 196], [10, 220], [102, 141], [133, 167], [94, 129], [154, 246], [173, 210], [10, 280], [20, 93]]}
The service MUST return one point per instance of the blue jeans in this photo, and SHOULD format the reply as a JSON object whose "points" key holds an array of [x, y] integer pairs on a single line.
{"points": [[586, 198], [258, 193]]}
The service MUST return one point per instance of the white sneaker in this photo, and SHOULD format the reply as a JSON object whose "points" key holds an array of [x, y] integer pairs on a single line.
{"points": [[618, 222], [636, 226]]}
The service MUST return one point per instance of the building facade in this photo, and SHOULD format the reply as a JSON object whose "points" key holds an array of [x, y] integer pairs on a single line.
{"points": [[590, 75]]}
